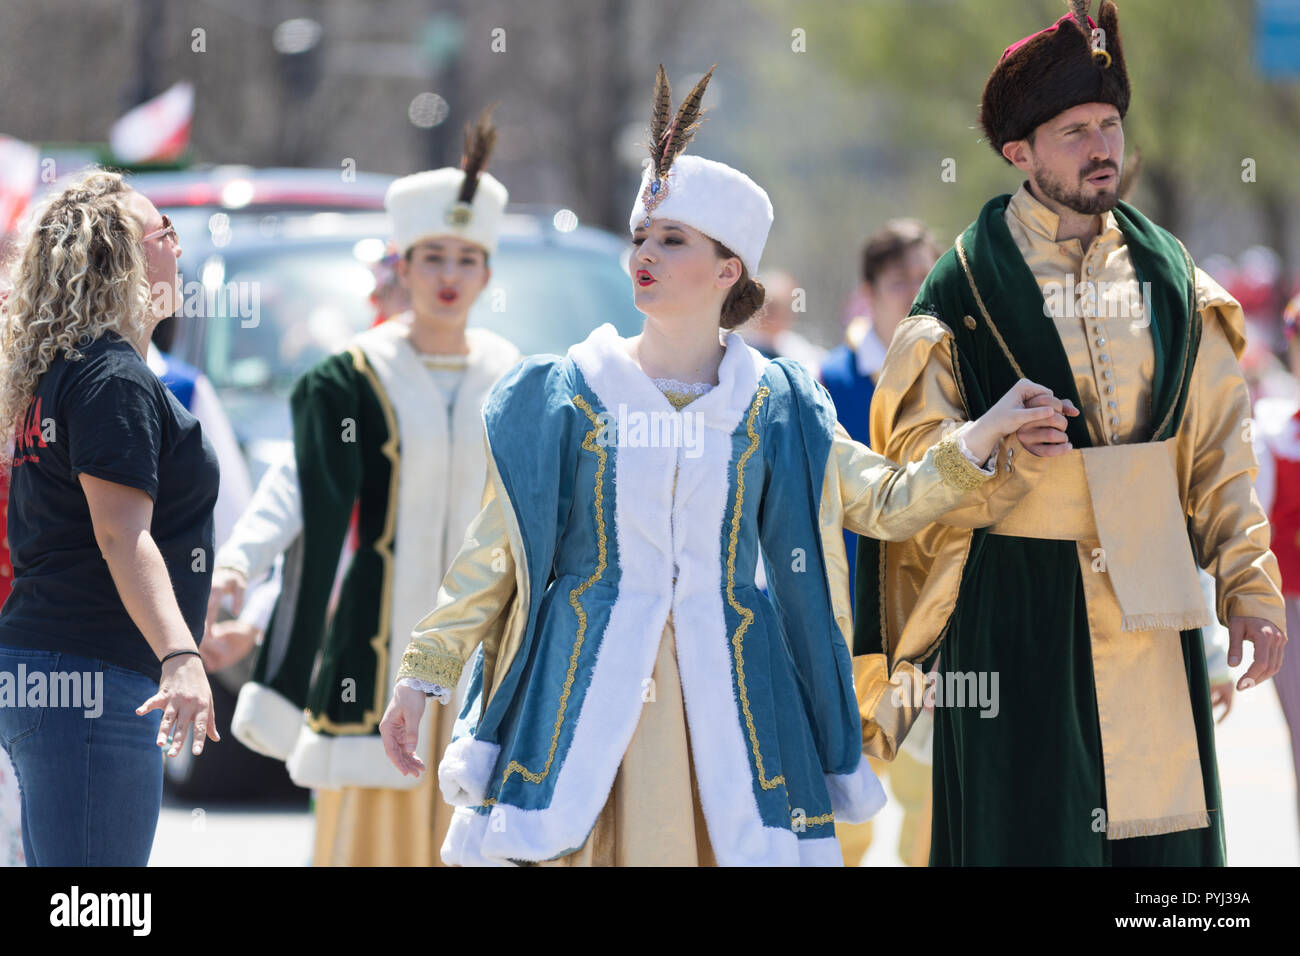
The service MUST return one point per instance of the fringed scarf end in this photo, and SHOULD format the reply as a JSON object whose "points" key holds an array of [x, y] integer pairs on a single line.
{"points": [[1175, 621], [1126, 829]]}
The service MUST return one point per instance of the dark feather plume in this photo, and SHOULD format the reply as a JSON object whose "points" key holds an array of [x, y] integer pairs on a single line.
{"points": [[659, 117], [1079, 8], [480, 139], [684, 124]]}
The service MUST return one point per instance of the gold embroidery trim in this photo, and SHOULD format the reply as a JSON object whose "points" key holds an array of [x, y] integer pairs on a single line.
{"points": [[436, 667], [955, 468], [746, 615], [601, 542], [679, 400], [979, 300], [811, 821], [384, 548]]}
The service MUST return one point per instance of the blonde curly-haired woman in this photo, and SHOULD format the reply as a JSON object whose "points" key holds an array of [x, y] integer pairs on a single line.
{"points": [[110, 530]]}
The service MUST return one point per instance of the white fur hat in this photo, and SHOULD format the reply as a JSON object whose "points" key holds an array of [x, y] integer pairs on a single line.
{"points": [[721, 202], [424, 205]]}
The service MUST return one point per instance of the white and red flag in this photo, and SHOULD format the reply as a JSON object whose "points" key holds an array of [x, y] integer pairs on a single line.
{"points": [[19, 169], [157, 130]]}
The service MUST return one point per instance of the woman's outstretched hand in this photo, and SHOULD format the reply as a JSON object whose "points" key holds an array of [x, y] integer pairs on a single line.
{"points": [[400, 729], [1029, 411], [185, 698]]}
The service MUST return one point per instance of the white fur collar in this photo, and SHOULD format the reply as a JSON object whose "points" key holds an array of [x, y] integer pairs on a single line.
{"points": [[615, 378], [489, 354]]}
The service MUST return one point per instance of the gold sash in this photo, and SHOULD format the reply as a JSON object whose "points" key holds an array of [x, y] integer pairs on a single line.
{"points": [[1120, 504]]}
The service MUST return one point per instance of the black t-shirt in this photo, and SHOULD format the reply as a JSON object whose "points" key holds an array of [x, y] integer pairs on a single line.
{"points": [[110, 417]]}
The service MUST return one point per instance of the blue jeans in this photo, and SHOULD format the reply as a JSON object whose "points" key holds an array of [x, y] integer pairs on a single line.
{"points": [[88, 767]]}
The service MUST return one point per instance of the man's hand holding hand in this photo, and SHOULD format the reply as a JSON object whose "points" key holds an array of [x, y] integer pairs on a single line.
{"points": [[1047, 439]]}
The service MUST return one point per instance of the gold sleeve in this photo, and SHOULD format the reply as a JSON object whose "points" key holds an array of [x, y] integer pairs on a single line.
{"points": [[893, 502], [1217, 464], [473, 602], [918, 401]]}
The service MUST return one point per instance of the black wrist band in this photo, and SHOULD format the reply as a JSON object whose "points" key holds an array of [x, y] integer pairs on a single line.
{"points": [[178, 654]]}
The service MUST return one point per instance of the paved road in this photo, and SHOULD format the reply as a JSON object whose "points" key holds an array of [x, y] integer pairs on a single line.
{"points": [[1254, 766], [1255, 772]]}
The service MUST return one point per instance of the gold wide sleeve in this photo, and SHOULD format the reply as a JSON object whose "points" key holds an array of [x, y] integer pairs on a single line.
{"points": [[918, 401], [893, 502], [1217, 467], [473, 603]]}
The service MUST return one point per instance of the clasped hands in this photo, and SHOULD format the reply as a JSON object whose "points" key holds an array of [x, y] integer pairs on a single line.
{"points": [[1030, 412], [1047, 438]]}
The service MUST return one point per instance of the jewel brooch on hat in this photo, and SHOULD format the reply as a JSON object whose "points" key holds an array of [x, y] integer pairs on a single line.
{"points": [[480, 140], [668, 139]]}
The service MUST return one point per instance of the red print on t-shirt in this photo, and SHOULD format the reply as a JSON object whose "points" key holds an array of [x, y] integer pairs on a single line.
{"points": [[29, 437]]}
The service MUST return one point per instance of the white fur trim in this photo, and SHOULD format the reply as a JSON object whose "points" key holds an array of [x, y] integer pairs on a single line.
{"points": [[655, 542], [434, 508], [431, 521], [356, 760], [465, 833], [466, 771], [266, 722], [720, 746], [823, 851], [721, 202], [447, 467], [856, 797], [418, 207]]}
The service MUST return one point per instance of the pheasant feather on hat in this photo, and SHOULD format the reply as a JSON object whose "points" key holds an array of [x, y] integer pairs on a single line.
{"points": [[719, 201]]}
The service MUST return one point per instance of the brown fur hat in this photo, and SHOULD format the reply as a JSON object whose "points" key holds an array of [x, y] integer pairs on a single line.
{"points": [[1052, 71]]}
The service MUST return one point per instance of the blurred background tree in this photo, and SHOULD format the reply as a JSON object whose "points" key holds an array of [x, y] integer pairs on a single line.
{"points": [[844, 112]]}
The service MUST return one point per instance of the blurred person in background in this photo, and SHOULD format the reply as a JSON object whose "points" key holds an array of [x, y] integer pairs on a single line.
{"points": [[270, 519], [895, 261], [392, 425], [1277, 429], [389, 296], [771, 330], [110, 524]]}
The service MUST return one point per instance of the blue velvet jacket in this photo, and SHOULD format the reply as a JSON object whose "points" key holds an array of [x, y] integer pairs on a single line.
{"points": [[606, 511]]}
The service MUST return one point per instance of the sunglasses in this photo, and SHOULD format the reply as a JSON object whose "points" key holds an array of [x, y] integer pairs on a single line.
{"points": [[167, 228]]}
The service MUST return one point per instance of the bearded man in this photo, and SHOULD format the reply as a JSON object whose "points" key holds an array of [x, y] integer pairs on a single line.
{"points": [[1072, 706]]}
